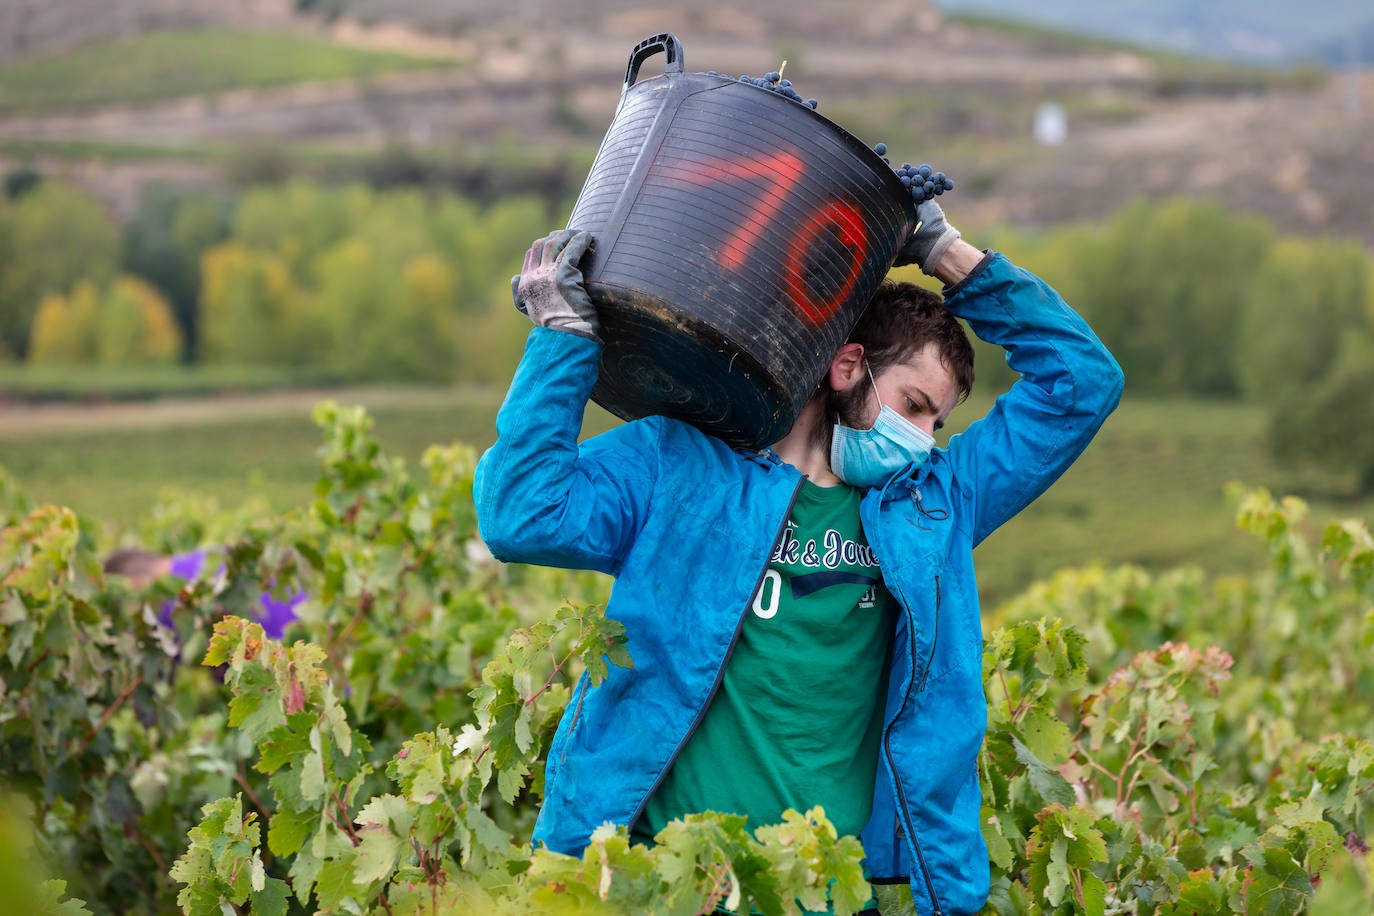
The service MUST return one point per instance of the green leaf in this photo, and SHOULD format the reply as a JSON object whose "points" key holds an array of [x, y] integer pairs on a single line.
{"points": [[280, 747], [1045, 735], [510, 780], [256, 707], [377, 854], [272, 899], [312, 776], [1048, 784], [287, 830], [51, 903], [389, 811], [335, 888], [999, 848]]}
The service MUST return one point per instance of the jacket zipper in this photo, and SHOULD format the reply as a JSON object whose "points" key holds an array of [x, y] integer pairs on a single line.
{"points": [[720, 673], [887, 741]]}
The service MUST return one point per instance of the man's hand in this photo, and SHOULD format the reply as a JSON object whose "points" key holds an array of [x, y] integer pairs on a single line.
{"points": [[549, 289], [930, 241]]}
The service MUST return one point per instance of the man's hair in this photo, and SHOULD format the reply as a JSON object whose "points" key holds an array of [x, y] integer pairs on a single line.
{"points": [[133, 562], [901, 319]]}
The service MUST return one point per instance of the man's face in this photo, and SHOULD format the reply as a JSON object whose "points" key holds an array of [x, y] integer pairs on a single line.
{"points": [[920, 388]]}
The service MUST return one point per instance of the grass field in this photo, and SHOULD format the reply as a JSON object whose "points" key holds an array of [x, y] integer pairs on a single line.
{"points": [[45, 382], [1150, 490], [182, 63]]}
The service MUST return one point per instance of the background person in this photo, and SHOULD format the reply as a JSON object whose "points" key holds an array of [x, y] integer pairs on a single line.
{"points": [[142, 566]]}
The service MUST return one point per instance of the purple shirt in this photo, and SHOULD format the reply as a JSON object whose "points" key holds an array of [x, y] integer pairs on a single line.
{"points": [[274, 614]]}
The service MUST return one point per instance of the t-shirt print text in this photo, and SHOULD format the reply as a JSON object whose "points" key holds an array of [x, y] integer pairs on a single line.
{"points": [[834, 551]]}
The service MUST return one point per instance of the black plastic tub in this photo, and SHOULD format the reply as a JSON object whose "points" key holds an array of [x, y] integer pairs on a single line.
{"points": [[738, 237]]}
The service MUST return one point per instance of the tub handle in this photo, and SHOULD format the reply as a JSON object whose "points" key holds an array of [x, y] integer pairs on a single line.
{"points": [[665, 42]]}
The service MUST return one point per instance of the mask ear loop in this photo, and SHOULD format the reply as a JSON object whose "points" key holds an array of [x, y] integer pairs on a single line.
{"points": [[869, 369], [874, 383]]}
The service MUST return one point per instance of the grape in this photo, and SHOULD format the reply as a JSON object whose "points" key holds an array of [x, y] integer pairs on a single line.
{"points": [[922, 181], [773, 82]]}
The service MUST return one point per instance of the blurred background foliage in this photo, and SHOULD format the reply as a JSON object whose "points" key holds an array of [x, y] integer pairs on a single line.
{"points": [[213, 216]]}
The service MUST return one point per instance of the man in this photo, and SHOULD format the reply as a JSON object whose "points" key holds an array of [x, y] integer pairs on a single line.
{"points": [[803, 620]]}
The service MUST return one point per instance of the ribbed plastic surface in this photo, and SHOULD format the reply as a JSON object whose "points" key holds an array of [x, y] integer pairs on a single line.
{"points": [[738, 237]]}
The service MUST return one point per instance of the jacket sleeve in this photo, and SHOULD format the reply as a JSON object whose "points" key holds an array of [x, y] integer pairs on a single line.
{"points": [[540, 497], [1069, 384]]}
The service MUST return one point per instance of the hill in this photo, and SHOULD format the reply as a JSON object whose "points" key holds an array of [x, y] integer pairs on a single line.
{"points": [[1263, 31], [530, 88]]}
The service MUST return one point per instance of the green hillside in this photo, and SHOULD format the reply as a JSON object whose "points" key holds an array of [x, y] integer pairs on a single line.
{"points": [[183, 63]]}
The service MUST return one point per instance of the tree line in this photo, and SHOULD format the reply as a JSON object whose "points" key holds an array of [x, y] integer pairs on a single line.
{"points": [[1199, 302], [342, 283]]}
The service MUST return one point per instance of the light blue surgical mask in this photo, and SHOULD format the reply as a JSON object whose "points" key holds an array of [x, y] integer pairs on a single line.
{"points": [[868, 457]]}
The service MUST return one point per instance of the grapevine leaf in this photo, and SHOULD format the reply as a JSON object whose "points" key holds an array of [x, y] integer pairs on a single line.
{"points": [[377, 854], [510, 780], [387, 811], [335, 888], [272, 899], [419, 768], [1048, 784], [312, 776], [1057, 872], [279, 748], [287, 830], [470, 738], [305, 870], [999, 848], [257, 708], [337, 722], [52, 903], [1045, 735]]}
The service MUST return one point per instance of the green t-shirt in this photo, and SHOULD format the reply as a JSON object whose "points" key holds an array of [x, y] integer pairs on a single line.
{"points": [[797, 719]]}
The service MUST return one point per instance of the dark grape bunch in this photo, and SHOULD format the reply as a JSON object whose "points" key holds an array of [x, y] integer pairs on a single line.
{"points": [[774, 82], [922, 181]]}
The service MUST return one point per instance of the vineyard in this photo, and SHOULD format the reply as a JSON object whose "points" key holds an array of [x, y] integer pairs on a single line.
{"points": [[1159, 743]]}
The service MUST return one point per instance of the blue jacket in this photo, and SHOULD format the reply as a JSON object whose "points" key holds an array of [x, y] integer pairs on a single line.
{"points": [[686, 524]]}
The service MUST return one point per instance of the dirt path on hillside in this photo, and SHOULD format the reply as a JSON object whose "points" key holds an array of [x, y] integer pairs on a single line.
{"points": [[27, 420]]}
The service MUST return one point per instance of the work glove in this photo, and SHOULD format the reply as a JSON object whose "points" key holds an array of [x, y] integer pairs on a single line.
{"points": [[549, 289], [928, 243]]}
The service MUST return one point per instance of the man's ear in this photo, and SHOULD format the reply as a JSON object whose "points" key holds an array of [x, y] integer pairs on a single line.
{"points": [[846, 367]]}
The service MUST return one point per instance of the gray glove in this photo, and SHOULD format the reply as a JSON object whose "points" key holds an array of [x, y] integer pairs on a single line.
{"points": [[932, 238], [549, 289]]}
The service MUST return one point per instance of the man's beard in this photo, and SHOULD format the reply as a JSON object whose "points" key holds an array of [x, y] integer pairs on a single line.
{"points": [[848, 407]]}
